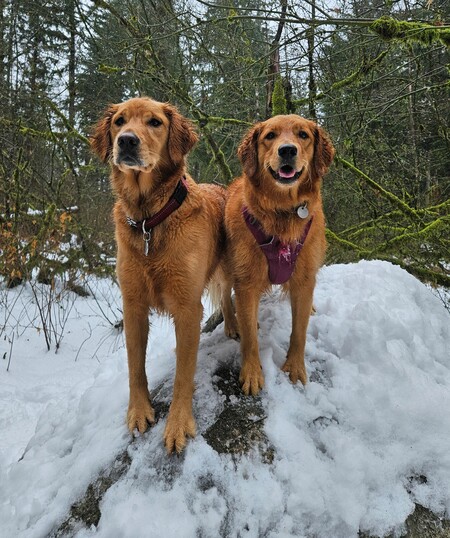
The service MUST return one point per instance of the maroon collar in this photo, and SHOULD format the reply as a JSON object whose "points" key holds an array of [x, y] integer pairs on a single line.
{"points": [[146, 225], [177, 198], [280, 256]]}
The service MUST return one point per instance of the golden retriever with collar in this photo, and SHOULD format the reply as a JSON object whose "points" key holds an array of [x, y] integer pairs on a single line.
{"points": [[276, 232], [164, 266]]}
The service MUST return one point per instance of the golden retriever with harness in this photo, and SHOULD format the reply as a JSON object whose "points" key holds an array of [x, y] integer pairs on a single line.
{"points": [[276, 232]]}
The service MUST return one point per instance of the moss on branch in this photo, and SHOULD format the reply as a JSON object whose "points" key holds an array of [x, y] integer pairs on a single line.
{"points": [[390, 29], [352, 78], [423, 233], [403, 206]]}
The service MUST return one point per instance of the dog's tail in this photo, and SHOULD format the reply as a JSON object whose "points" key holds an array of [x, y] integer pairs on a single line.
{"points": [[215, 290], [220, 294]]}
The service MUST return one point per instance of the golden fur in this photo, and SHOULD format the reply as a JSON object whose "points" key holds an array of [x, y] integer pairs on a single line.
{"points": [[273, 204], [184, 250]]}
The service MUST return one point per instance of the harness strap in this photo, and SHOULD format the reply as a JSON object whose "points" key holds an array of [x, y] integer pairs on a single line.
{"points": [[281, 257]]}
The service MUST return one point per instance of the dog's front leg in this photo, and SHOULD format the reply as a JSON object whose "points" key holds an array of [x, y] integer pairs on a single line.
{"points": [[180, 421], [301, 304], [135, 318], [251, 376]]}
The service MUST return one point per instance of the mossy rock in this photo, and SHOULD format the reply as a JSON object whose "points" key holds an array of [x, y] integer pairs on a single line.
{"points": [[86, 512], [237, 430], [422, 523]]}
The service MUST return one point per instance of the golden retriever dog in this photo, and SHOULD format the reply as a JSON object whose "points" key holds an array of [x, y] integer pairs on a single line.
{"points": [[276, 232], [169, 234]]}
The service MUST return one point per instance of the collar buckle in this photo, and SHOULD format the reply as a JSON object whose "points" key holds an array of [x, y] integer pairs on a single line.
{"points": [[131, 222]]}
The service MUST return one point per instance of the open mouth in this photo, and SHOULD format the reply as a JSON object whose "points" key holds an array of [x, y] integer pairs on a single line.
{"points": [[286, 174]]}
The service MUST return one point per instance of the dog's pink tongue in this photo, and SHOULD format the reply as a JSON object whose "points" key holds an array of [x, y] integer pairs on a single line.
{"points": [[286, 174]]}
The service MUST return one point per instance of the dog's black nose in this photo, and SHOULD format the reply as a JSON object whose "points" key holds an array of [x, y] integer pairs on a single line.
{"points": [[287, 151], [128, 142]]}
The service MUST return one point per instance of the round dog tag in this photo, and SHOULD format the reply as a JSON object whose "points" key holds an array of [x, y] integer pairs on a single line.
{"points": [[302, 211]]}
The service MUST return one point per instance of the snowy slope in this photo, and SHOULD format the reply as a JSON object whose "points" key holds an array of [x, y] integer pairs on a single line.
{"points": [[351, 449]]}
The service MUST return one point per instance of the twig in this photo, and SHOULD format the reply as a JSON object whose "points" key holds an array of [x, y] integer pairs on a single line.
{"points": [[10, 352]]}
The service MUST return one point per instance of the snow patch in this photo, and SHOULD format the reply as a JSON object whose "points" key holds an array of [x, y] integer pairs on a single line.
{"points": [[355, 449]]}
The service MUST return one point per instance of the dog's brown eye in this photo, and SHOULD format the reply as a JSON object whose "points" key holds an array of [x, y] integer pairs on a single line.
{"points": [[270, 136], [303, 134], [154, 122], [119, 121]]}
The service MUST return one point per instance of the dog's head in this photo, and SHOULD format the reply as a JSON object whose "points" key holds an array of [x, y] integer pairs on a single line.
{"points": [[143, 135], [286, 150]]}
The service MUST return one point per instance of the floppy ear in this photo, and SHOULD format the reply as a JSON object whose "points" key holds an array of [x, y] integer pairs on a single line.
{"points": [[248, 151], [323, 152], [182, 136], [100, 139]]}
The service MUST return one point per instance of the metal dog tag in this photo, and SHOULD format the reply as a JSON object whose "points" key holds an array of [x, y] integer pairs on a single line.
{"points": [[146, 236], [302, 211], [146, 242]]}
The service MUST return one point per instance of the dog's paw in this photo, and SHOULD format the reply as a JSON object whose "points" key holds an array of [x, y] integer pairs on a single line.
{"points": [[296, 371], [180, 424], [251, 379], [140, 415], [231, 330]]}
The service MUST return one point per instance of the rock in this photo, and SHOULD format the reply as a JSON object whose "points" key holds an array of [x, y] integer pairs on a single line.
{"points": [[86, 512], [422, 523], [238, 428]]}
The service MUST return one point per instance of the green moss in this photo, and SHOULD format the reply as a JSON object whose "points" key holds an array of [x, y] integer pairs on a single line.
{"points": [[390, 29], [354, 77], [108, 69], [444, 36], [279, 103], [404, 207], [232, 14]]}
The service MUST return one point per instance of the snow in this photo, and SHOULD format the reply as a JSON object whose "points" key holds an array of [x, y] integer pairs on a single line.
{"points": [[350, 449]]}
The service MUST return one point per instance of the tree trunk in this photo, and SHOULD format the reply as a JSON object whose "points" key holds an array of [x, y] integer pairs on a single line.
{"points": [[312, 87], [274, 59], [417, 188], [72, 63]]}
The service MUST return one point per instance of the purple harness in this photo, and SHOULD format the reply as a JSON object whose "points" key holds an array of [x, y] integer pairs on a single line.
{"points": [[281, 257]]}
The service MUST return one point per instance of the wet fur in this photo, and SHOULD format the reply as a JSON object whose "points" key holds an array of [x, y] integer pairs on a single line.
{"points": [[184, 255], [273, 205]]}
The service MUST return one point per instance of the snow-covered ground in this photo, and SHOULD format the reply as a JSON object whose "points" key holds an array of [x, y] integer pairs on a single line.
{"points": [[351, 449]]}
